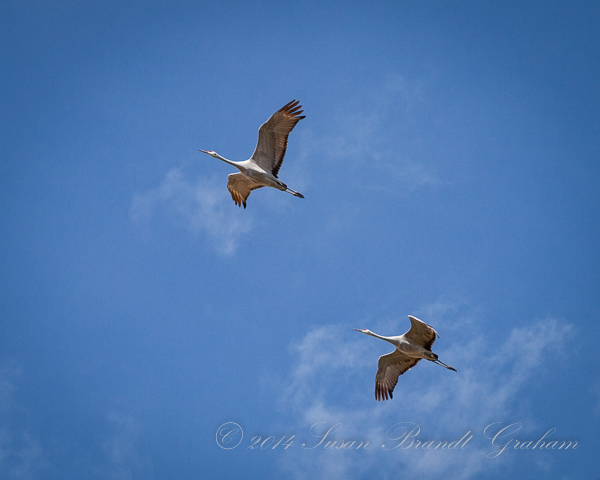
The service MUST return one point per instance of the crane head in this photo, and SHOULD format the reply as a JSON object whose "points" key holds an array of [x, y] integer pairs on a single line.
{"points": [[366, 331], [212, 153]]}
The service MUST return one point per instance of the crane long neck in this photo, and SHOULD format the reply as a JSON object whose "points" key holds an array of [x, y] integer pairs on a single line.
{"points": [[387, 339], [230, 162]]}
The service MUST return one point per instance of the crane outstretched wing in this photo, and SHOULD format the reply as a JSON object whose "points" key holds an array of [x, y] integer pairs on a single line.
{"points": [[273, 137], [389, 368], [240, 186], [421, 333]]}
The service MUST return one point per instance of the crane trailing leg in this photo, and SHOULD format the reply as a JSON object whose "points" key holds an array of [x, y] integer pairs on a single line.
{"points": [[442, 364], [293, 192]]}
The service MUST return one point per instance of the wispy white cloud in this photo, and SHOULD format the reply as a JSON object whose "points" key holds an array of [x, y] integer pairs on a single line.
{"points": [[357, 150], [126, 459], [21, 453], [203, 207], [369, 138], [328, 385]]}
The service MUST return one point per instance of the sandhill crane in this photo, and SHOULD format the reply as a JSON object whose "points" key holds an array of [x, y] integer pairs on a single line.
{"points": [[410, 348], [261, 169]]}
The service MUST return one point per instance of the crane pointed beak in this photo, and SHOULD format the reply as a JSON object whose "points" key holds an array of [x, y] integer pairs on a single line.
{"points": [[204, 151], [358, 330]]}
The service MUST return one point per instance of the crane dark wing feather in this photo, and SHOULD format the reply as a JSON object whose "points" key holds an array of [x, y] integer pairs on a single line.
{"points": [[389, 368], [421, 333], [273, 137], [240, 186]]}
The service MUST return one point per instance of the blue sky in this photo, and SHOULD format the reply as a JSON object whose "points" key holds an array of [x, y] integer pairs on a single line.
{"points": [[449, 160]]}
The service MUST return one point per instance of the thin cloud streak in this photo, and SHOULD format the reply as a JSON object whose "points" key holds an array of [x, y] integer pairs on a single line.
{"points": [[202, 208], [124, 457]]}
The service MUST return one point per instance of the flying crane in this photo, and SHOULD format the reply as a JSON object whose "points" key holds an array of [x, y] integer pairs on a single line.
{"points": [[410, 348], [261, 169]]}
